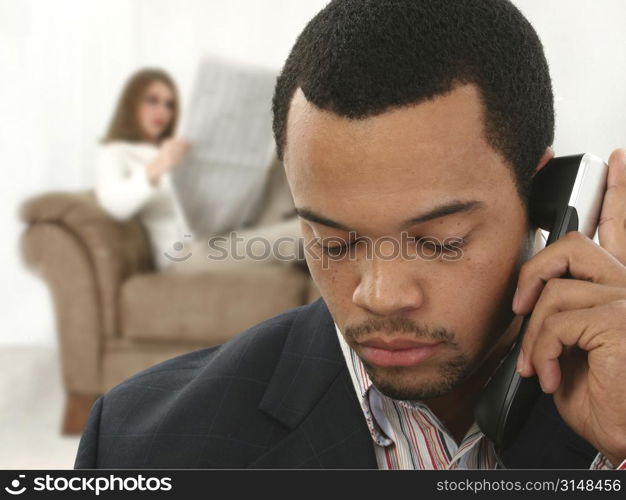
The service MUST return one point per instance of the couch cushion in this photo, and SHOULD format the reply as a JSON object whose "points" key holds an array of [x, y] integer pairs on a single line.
{"points": [[209, 306]]}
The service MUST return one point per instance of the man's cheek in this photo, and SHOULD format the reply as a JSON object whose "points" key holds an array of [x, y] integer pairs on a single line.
{"points": [[330, 279]]}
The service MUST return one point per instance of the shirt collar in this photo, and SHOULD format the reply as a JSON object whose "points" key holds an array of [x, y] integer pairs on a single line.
{"points": [[367, 394]]}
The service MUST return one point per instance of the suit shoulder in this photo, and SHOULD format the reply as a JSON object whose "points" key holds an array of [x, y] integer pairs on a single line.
{"points": [[196, 410]]}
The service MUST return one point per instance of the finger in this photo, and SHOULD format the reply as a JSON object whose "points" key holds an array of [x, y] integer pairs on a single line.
{"points": [[587, 329], [563, 295], [612, 223], [574, 253]]}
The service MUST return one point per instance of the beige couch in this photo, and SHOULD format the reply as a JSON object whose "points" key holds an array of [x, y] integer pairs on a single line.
{"points": [[116, 315]]}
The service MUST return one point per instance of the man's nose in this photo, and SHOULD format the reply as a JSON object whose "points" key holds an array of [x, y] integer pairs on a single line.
{"points": [[386, 287]]}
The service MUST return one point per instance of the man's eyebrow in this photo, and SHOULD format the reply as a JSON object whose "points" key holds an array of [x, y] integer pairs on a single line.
{"points": [[453, 207]]}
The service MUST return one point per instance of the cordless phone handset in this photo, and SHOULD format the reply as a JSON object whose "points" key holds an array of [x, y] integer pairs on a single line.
{"points": [[566, 195]]}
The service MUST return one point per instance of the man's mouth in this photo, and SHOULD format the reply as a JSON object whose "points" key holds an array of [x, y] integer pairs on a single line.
{"points": [[396, 351]]}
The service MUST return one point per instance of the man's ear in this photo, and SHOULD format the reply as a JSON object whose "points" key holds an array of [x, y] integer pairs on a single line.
{"points": [[539, 241], [548, 154]]}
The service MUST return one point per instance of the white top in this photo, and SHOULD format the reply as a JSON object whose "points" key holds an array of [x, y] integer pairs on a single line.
{"points": [[123, 190]]}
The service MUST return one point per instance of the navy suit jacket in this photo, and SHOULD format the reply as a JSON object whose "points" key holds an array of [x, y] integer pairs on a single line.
{"points": [[278, 395]]}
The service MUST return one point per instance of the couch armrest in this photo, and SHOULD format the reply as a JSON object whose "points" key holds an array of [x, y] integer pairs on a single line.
{"points": [[60, 259], [114, 250]]}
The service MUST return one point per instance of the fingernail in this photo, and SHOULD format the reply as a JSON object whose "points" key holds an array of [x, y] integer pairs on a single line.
{"points": [[520, 361], [516, 299]]}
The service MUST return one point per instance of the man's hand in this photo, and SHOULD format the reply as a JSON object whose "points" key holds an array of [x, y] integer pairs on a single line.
{"points": [[576, 336]]}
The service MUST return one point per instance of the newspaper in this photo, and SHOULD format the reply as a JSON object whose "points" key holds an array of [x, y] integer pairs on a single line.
{"points": [[228, 122]]}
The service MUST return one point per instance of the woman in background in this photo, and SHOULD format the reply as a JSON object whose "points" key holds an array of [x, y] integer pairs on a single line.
{"points": [[133, 169], [136, 157]]}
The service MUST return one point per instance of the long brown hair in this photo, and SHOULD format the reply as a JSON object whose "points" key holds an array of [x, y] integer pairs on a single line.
{"points": [[124, 125]]}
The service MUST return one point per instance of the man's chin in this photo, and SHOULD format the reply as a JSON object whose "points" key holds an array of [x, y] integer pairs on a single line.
{"points": [[418, 382]]}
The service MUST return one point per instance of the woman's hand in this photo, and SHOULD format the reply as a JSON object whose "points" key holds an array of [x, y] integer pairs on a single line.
{"points": [[172, 152], [170, 156]]}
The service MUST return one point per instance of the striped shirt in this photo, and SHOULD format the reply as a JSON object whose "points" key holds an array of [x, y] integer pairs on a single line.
{"points": [[408, 435]]}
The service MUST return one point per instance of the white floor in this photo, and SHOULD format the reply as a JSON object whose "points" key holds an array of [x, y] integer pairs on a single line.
{"points": [[31, 406]]}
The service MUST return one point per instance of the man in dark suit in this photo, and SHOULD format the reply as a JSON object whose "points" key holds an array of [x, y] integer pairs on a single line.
{"points": [[410, 126]]}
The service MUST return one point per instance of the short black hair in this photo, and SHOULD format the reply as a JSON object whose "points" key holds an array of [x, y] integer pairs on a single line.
{"points": [[359, 58]]}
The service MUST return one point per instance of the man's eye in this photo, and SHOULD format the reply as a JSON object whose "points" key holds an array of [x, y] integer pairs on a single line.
{"points": [[452, 245], [337, 250]]}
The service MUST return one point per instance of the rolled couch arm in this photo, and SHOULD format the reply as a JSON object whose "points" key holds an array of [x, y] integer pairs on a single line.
{"points": [[84, 256]]}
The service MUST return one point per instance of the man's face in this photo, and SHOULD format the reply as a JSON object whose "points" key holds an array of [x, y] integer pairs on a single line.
{"points": [[394, 290]]}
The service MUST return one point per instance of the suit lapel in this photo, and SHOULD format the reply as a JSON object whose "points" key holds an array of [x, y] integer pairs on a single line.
{"points": [[311, 393]]}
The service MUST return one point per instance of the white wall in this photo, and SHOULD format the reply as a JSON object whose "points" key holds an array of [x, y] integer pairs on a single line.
{"points": [[63, 63], [585, 43]]}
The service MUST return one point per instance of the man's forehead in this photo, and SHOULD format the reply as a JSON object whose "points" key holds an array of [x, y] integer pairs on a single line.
{"points": [[446, 129], [406, 162]]}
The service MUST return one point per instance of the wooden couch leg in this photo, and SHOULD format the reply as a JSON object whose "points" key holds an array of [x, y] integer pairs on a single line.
{"points": [[77, 408]]}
